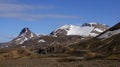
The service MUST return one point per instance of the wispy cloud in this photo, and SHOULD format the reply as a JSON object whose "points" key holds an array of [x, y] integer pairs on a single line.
{"points": [[23, 12], [8, 1], [22, 7], [25, 16]]}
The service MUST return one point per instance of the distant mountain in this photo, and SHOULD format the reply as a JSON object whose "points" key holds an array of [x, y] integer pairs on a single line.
{"points": [[24, 35], [90, 40], [85, 30], [70, 34]]}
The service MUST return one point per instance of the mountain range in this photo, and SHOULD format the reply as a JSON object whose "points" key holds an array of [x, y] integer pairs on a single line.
{"points": [[88, 40], [86, 30]]}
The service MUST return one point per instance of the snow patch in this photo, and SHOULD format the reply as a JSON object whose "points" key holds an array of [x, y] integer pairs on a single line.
{"points": [[78, 30], [18, 39], [93, 34], [41, 41], [110, 33], [65, 26], [22, 41], [93, 23], [31, 35], [98, 30], [82, 31], [23, 46], [25, 39]]}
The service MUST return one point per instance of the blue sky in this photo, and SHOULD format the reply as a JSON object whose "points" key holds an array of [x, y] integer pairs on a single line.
{"points": [[43, 16]]}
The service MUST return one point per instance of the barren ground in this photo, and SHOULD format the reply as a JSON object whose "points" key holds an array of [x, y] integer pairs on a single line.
{"points": [[53, 62]]}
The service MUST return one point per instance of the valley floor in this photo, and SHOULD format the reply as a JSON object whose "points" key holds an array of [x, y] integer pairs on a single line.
{"points": [[53, 62]]}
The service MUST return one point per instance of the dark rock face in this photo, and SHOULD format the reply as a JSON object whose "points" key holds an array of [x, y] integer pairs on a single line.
{"points": [[59, 32], [24, 30], [52, 50], [27, 33], [117, 26]]}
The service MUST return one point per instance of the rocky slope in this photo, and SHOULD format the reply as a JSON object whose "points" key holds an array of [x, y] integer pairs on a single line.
{"points": [[111, 32]]}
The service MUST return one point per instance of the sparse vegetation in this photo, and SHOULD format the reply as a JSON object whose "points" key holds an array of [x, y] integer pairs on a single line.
{"points": [[69, 59], [53, 62]]}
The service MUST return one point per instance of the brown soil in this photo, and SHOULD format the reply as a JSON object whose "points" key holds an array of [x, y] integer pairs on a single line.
{"points": [[52, 62]]}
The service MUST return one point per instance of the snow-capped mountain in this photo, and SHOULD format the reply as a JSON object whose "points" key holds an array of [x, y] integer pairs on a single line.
{"points": [[85, 30], [106, 45], [24, 35], [111, 32]]}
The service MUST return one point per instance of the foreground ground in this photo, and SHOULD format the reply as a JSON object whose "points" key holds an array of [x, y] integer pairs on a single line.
{"points": [[53, 62]]}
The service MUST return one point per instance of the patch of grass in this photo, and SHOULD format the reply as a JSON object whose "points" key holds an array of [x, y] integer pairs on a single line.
{"points": [[57, 55], [69, 59], [114, 57]]}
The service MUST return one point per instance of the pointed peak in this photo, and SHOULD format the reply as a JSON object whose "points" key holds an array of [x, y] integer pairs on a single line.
{"points": [[24, 35], [24, 30]]}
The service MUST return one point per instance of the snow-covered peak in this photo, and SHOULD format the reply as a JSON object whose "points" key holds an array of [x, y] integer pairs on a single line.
{"points": [[69, 26], [24, 35], [87, 29]]}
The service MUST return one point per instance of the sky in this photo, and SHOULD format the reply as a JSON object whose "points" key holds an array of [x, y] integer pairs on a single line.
{"points": [[44, 16]]}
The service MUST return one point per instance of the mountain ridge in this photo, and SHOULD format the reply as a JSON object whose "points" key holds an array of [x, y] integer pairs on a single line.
{"points": [[26, 34], [87, 29]]}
